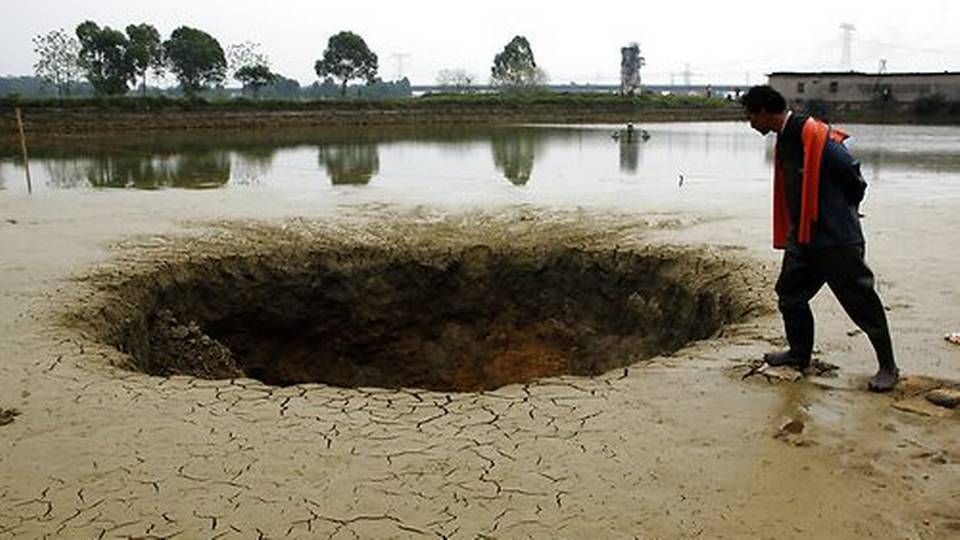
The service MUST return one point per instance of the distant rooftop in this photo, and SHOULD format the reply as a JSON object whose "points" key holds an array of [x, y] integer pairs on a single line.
{"points": [[861, 74]]}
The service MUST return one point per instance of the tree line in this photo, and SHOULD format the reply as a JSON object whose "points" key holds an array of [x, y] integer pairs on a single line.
{"points": [[110, 62]]}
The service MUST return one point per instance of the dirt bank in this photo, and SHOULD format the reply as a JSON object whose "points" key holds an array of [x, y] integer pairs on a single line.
{"points": [[49, 122]]}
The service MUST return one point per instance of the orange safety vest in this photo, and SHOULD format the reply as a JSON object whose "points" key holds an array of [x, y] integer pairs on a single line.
{"points": [[814, 136]]}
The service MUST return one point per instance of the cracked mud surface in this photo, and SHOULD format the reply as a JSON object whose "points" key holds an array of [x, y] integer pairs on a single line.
{"points": [[673, 446], [290, 307]]}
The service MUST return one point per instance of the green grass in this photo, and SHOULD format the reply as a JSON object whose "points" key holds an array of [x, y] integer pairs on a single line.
{"points": [[427, 102]]}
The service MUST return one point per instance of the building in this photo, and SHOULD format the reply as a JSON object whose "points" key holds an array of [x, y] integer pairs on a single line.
{"points": [[630, 64], [854, 89]]}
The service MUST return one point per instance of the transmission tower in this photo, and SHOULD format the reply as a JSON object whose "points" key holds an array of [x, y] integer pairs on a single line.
{"points": [[846, 63], [399, 57], [686, 75]]}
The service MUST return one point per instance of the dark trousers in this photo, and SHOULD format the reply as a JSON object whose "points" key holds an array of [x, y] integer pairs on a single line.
{"points": [[844, 270]]}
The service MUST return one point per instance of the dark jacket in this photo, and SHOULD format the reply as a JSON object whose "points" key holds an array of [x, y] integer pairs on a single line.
{"points": [[841, 189]]}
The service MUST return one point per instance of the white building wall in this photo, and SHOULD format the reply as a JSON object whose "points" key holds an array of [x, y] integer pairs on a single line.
{"points": [[861, 88]]}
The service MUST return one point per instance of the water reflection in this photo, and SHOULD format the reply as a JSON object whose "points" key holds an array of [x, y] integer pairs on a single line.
{"points": [[352, 163], [514, 153], [567, 160], [877, 160], [201, 170], [252, 165], [630, 140]]}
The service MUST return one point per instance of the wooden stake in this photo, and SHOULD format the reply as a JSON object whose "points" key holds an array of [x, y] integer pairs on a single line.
{"points": [[23, 148]]}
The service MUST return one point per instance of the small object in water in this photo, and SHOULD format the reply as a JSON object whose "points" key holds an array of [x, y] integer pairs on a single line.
{"points": [[12, 221], [953, 337], [681, 181]]}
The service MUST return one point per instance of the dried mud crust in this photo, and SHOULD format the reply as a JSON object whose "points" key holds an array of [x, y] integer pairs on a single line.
{"points": [[411, 309]]}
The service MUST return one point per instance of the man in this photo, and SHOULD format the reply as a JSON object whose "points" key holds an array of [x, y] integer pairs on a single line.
{"points": [[817, 194]]}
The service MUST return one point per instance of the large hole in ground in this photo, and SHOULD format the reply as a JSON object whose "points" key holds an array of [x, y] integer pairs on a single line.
{"points": [[468, 319]]}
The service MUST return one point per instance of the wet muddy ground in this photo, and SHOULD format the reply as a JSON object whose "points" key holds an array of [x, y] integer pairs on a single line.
{"points": [[674, 442]]}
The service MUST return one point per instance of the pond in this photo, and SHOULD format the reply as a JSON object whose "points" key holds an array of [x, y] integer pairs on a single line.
{"points": [[672, 165]]}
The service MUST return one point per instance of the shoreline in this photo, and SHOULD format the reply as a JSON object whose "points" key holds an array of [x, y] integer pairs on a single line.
{"points": [[60, 123], [49, 124]]}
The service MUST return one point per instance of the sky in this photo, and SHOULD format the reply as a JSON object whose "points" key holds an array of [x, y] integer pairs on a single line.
{"points": [[719, 42]]}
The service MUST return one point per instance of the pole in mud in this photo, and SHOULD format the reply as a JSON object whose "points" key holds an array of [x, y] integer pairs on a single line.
{"points": [[23, 148]]}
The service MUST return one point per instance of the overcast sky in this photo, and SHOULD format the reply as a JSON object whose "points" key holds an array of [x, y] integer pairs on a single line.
{"points": [[722, 41]]}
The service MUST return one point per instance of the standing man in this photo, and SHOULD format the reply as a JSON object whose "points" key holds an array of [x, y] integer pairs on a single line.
{"points": [[817, 190]]}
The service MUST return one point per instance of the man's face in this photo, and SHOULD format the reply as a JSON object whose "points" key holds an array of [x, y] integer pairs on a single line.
{"points": [[762, 121]]}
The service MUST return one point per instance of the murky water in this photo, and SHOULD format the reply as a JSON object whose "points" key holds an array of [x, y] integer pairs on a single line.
{"points": [[670, 164]]}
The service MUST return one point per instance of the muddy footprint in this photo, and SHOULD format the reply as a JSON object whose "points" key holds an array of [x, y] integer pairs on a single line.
{"points": [[7, 416]]}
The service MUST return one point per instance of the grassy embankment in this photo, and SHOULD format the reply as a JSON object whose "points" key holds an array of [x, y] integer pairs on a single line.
{"points": [[57, 117]]}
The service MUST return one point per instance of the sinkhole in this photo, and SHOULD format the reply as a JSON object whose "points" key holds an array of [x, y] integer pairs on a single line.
{"points": [[465, 319]]}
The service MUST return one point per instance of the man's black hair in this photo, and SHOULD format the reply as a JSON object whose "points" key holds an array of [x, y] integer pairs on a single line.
{"points": [[763, 98]]}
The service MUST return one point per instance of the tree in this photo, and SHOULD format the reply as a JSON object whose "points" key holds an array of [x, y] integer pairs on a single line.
{"points": [[36, 87], [457, 79], [58, 59], [146, 51], [241, 55], [327, 88], [105, 58], [283, 87], [255, 77], [196, 58], [347, 58], [516, 67]]}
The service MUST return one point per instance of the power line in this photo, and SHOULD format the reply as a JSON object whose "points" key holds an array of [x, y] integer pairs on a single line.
{"points": [[909, 48]]}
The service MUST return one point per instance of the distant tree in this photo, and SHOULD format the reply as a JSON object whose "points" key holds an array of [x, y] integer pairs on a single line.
{"points": [[328, 88], [104, 56], [26, 86], [255, 77], [58, 59], [146, 51], [457, 79], [379, 89], [282, 87], [246, 54], [347, 57], [196, 58], [516, 67]]}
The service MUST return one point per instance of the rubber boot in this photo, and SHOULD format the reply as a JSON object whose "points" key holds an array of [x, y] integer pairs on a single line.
{"points": [[787, 358], [886, 378]]}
